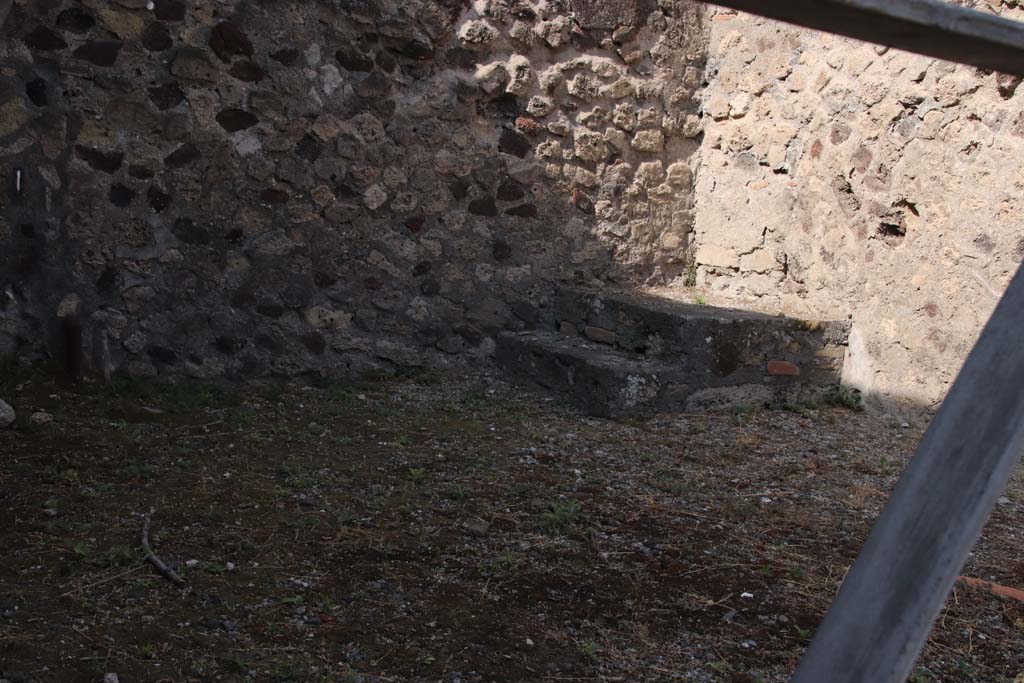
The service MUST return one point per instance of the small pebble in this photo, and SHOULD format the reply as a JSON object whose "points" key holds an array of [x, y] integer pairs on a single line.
{"points": [[41, 418]]}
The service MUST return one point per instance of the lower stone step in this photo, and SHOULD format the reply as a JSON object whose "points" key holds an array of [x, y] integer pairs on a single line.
{"points": [[606, 381], [601, 381]]}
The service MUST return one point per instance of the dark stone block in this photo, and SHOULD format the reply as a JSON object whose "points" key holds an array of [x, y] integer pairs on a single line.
{"points": [[461, 57], [158, 199], [99, 52], [44, 39], [183, 156], [243, 297], [107, 162], [483, 207], [510, 190], [422, 268], [156, 38], [299, 291], [161, 354], [501, 250], [169, 10], [234, 120], [526, 312], [308, 148], [505, 106], [273, 195], [430, 287], [193, 64], [511, 142], [121, 196], [167, 96], [459, 187], [416, 224], [140, 172], [36, 91], [350, 59], [315, 342], [228, 40], [229, 346], [582, 201], [584, 41], [523, 211], [75, 20], [604, 15], [414, 48], [186, 230], [270, 343], [108, 282], [470, 333], [524, 12], [375, 86], [288, 56], [386, 61], [324, 280], [247, 71], [270, 309]]}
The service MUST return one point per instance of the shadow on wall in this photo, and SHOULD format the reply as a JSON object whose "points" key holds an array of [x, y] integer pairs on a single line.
{"points": [[280, 188]]}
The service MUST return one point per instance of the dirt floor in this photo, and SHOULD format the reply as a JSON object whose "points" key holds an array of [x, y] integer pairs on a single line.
{"points": [[441, 528]]}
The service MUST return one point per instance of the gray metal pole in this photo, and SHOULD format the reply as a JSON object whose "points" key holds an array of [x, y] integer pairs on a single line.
{"points": [[879, 622], [929, 27]]}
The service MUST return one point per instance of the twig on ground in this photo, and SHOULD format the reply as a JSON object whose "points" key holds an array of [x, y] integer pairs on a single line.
{"points": [[994, 588], [151, 557], [99, 583]]}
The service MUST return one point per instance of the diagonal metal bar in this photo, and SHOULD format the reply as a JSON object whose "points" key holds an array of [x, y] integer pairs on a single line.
{"points": [[888, 603], [928, 27]]}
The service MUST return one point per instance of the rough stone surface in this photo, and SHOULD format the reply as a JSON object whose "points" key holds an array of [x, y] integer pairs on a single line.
{"points": [[344, 186], [308, 187], [839, 179], [7, 415], [643, 353]]}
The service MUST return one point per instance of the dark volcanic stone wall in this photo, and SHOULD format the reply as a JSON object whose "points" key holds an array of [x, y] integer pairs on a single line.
{"points": [[245, 188]]}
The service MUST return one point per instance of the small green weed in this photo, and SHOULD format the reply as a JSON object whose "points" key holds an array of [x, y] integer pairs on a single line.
{"points": [[181, 397], [141, 470], [845, 397], [590, 650], [426, 377], [458, 492], [559, 515]]}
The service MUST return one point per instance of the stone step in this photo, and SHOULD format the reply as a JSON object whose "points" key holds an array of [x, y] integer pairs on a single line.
{"points": [[599, 379], [621, 353], [693, 334]]}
